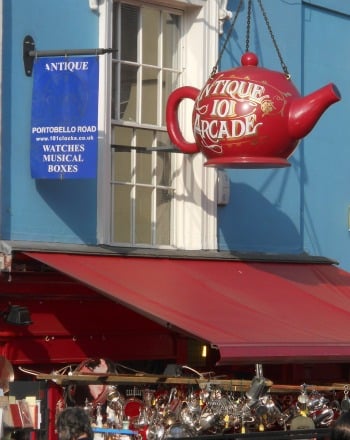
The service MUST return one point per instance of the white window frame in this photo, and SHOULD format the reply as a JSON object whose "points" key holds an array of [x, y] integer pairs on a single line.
{"points": [[196, 186]]}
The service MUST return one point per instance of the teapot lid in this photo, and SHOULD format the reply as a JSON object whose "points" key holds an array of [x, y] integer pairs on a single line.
{"points": [[249, 59]]}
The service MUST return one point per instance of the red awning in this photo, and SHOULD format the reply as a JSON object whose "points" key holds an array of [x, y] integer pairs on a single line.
{"points": [[252, 311]]}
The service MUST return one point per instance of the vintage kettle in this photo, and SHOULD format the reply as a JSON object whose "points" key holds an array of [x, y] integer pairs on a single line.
{"points": [[247, 117]]}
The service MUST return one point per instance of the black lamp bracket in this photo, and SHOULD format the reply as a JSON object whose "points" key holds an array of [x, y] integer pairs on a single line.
{"points": [[30, 53], [16, 315]]}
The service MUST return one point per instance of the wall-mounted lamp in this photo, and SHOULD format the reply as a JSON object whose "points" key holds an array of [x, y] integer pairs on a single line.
{"points": [[17, 315]]}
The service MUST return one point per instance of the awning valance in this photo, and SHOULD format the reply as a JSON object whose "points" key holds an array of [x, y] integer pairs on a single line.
{"points": [[252, 311]]}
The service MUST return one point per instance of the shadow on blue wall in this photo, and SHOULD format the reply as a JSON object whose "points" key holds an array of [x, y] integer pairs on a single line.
{"points": [[253, 224], [74, 202]]}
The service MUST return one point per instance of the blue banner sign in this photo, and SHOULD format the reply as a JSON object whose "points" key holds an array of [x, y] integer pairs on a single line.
{"points": [[64, 134]]}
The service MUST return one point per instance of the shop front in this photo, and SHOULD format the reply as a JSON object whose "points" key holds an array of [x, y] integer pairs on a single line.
{"points": [[152, 318]]}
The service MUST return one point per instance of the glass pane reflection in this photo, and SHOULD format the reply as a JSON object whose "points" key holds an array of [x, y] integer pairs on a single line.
{"points": [[163, 217], [121, 228], [143, 220]]}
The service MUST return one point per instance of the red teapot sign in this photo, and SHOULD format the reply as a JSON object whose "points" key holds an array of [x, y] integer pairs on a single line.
{"points": [[247, 117]]}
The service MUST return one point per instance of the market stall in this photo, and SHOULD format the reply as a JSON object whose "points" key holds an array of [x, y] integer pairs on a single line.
{"points": [[194, 404]]}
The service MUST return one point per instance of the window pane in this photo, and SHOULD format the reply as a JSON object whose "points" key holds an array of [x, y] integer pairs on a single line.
{"points": [[121, 166], [122, 135], [115, 92], [163, 217], [150, 33], [163, 168], [115, 29], [149, 95], [144, 167], [121, 159], [171, 36], [144, 138], [143, 220], [128, 90], [163, 139], [121, 228], [129, 32], [170, 81]]}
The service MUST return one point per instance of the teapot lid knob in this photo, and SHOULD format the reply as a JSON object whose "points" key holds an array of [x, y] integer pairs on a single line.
{"points": [[249, 59]]}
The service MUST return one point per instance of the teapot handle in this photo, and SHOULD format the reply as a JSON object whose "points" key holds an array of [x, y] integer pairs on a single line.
{"points": [[172, 120]]}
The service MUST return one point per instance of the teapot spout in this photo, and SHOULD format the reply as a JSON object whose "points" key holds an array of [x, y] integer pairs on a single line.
{"points": [[306, 111]]}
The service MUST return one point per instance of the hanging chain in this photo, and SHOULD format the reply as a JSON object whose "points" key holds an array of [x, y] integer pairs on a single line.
{"points": [[284, 67], [249, 15], [215, 68]]}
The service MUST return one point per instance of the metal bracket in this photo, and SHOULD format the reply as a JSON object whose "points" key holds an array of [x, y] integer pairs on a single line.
{"points": [[94, 4], [28, 60], [29, 53], [224, 14]]}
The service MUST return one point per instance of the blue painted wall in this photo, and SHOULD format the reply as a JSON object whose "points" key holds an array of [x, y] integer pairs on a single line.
{"points": [[41, 210], [327, 153], [291, 210], [304, 207]]}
